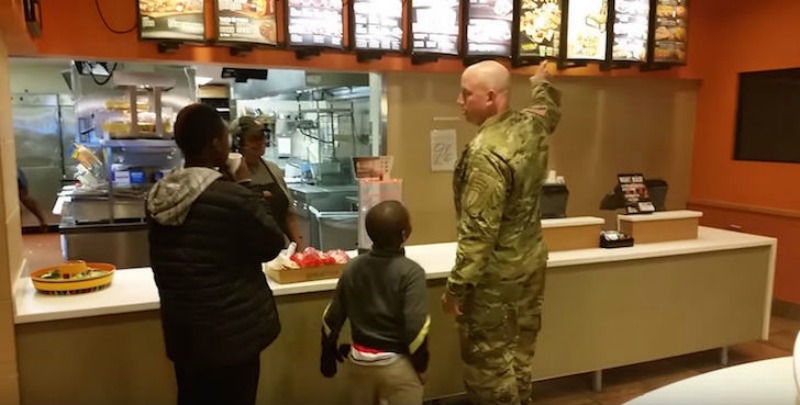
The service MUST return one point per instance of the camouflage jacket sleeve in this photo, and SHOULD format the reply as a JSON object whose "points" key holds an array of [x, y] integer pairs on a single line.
{"points": [[481, 209], [545, 107]]}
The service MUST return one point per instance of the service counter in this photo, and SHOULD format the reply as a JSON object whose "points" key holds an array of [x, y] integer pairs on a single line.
{"points": [[603, 309]]}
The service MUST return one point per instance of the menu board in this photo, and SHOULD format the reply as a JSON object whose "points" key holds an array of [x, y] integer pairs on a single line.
{"points": [[586, 29], [249, 21], [631, 28], [172, 20], [539, 28], [670, 31], [316, 23], [637, 197], [435, 26], [489, 27], [378, 24]]}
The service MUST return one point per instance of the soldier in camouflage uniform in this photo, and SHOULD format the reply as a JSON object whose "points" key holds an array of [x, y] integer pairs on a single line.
{"points": [[497, 284]]}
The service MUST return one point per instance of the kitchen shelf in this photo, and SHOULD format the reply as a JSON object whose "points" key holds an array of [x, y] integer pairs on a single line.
{"points": [[138, 143], [327, 111]]}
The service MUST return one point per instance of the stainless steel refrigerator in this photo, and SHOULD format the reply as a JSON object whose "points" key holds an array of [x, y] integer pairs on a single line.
{"points": [[44, 130]]}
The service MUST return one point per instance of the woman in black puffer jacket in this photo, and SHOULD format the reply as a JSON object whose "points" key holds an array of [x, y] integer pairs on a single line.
{"points": [[208, 237]]}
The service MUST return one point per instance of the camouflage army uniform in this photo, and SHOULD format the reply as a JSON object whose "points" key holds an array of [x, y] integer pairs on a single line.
{"points": [[499, 274]]}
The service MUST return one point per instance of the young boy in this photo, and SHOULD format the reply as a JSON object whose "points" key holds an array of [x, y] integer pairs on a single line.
{"points": [[384, 295]]}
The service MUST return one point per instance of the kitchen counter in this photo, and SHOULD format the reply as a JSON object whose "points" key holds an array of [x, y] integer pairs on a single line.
{"points": [[312, 189], [134, 289]]}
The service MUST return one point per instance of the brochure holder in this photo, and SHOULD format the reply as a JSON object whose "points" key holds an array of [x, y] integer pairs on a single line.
{"points": [[374, 187], [372, 192]]}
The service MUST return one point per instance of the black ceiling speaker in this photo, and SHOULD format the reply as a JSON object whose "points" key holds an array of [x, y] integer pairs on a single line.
{"points": [[243, 75]]}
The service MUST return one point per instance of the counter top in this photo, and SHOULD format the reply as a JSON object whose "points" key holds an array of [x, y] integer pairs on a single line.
{"points": [[661, 216], [574, 221], [134, 290]]}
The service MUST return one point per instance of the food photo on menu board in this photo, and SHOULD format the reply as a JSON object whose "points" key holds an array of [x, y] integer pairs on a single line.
{"points": [[586, 29], [631, 28], [378, 24], [172, 20], [670, 31], [315, 23], [249, 21], [435, 26], [489, 27], [539, 28]]}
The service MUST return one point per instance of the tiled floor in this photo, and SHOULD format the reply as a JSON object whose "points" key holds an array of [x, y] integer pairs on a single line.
{"points": [[620, 385]]}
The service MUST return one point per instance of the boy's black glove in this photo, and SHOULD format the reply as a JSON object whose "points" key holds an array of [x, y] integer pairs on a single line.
{"points": [[331, 355]]}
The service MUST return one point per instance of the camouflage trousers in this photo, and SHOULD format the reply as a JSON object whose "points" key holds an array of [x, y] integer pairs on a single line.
{"points": [[498, 331]]}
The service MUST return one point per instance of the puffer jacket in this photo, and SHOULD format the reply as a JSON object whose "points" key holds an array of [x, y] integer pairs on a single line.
{"points": [[208, 238]]}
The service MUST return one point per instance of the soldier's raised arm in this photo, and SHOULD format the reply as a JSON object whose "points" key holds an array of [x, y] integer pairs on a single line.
{"points": [[545, 107], [481, 212]]}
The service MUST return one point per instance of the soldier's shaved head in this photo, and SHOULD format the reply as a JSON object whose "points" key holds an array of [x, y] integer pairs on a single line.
{"points": [[491, 75], [485, 90], [388, 224]]}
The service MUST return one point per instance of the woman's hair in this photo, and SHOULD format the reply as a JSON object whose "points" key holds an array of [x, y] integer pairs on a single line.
{"points": [[244, 128], [196, 127]]}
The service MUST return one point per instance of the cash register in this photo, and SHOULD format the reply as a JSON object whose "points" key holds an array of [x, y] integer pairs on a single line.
{"points": [[554, 200]]}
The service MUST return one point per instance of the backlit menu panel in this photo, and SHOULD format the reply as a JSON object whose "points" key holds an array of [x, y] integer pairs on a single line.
{"points": [[315, 23], [378, 24], [631, 28], [489, 27], [670, 31], [435, 26], [539, 28], [586, 29], [172, 20], [249, 21]]}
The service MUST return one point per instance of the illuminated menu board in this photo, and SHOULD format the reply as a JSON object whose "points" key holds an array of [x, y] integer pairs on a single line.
{"points": [[248, 21], [434, 26], [631, 29], [172, 20], [670, 31], [378, 25], [539, 28], [586, 29], [316, 23], [489, 27]]}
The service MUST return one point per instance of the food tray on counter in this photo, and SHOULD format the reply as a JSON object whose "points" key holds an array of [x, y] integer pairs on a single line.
{"points": [[288, 276], [74, 277]]}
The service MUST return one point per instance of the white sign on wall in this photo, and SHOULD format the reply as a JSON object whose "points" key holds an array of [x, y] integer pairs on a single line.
{"points": [[443, 150]]}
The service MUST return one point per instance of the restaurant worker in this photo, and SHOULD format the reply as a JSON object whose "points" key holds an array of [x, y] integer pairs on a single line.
{"points": [[495, 288], [208, 237], [251, 139]]}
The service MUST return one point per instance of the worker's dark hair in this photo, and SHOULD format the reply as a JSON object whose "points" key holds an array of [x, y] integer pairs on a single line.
{"points": [[196, 126], [386, 222]]}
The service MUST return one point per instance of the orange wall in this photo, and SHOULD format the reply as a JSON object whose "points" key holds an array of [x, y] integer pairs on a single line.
{"points": [[73, 29], [747, 37], [738, 36], [13, 29]]}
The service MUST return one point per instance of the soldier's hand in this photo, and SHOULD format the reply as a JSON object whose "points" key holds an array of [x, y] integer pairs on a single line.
{"points": [[423, 377], [542, 73], [450, 304]]}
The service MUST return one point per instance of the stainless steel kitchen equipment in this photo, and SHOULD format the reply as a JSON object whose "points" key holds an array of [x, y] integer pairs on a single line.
{"points": [[313, 204], [336, 229], [40, 150]]}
